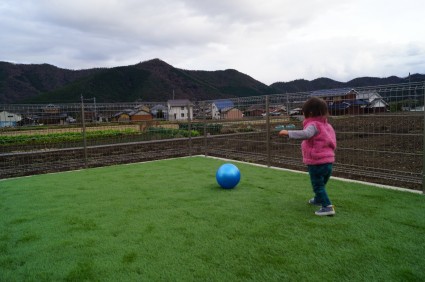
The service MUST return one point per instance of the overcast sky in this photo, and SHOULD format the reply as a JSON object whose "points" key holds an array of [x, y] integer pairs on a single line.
{"points": [[269, 40]]}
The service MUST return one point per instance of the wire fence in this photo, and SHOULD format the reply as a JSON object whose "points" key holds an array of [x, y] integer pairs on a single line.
{"points": [[380, 133]]}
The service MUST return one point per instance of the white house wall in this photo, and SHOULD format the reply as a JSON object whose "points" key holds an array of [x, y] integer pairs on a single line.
{"points": [[9, 117], [175, 113]]}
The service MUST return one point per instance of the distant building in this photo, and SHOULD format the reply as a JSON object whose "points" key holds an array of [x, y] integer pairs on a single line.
{"points": [[51, 114], [159, 112], [179, 109], [375, 102], [255, 111], [231, 113], [139, 113], [225, 109], [51, 109], [349, 101], [8, 119], [276, 111]]}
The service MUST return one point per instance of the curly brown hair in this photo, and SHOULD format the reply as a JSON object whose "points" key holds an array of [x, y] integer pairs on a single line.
{"points": [[315, 107]]}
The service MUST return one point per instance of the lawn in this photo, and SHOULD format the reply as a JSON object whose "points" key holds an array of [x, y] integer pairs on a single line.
{"points": [[169, 221]]}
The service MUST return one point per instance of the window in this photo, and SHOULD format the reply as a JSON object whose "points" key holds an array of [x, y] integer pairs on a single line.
{"points": [[182, 115], [182, 108]]}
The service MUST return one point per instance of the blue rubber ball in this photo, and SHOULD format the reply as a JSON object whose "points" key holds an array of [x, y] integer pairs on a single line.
{"points": [[228, 176]]}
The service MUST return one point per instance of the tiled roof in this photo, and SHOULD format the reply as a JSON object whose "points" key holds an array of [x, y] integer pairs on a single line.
{"points": [[178, 103]]}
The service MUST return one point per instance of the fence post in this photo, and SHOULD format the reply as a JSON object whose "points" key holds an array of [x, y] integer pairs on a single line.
{"points": [[268, 130], [83, 121], [204, 105], [423, 148], [189, 127]]}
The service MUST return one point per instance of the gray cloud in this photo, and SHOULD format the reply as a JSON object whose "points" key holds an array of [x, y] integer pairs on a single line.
{"points": [[276, 40]]}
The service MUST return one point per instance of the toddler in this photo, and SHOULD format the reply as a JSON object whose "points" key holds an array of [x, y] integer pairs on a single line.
{"points": [[318, 150]]}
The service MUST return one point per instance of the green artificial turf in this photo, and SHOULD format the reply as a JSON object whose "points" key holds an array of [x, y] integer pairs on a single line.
{"points": [[170, 221]]}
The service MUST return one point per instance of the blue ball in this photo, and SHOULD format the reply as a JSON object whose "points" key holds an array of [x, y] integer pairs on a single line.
{"points": [[228, 176]]}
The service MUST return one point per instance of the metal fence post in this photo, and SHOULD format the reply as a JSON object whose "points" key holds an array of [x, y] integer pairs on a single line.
{"points": [[189, 128], [268, 130], [423, 146], [204, 105], [83, 121]]}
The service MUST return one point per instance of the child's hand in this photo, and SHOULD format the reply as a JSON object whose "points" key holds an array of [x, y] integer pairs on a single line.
{"points": [[283, 133]]}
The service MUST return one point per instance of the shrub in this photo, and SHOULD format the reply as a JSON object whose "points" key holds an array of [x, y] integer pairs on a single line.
{"points": [[171, 133], [211, 128]]}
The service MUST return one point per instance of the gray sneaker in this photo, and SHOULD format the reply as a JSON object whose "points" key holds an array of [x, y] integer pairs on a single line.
{"points": [[326, 211], [313, 202]]}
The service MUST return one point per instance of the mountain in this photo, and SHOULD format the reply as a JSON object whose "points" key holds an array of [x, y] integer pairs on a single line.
{"points": [[150, 81], [301, 85], [19, 82]]}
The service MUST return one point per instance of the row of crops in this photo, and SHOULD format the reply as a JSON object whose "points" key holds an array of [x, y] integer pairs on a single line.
{"points": [[72, 137]]}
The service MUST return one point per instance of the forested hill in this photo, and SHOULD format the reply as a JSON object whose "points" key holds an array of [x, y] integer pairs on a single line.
{"points": [[302, 85], [152, 80]]}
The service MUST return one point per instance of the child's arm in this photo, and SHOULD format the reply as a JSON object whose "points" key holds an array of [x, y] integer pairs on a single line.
{"points": [[306, 133]]}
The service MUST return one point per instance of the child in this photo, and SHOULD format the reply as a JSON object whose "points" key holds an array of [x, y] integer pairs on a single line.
{"points": [[318, 150]]}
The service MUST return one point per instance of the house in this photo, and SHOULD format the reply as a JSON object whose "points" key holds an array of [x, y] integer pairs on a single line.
{"points": [[140, 113], [51, 109], [179, 109], [122, 116], [132, 115], [255, 111], [8, 119], [375, 102], [231, 113], [219, 105], [26, 120], [276, 111], [50, 114], [351, 107], [203, 111], [159, 112], [335, 95], [349, 101], [225, 109]]}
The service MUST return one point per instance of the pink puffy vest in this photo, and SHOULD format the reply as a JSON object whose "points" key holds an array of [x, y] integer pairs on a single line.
{"points": [[320, 149]]}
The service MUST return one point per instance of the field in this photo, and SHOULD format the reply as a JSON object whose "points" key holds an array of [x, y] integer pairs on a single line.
{"points": [[169, 221], [385, 149]]}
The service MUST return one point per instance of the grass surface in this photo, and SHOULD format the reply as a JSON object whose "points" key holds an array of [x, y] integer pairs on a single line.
{"points": [[169, 221]]}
